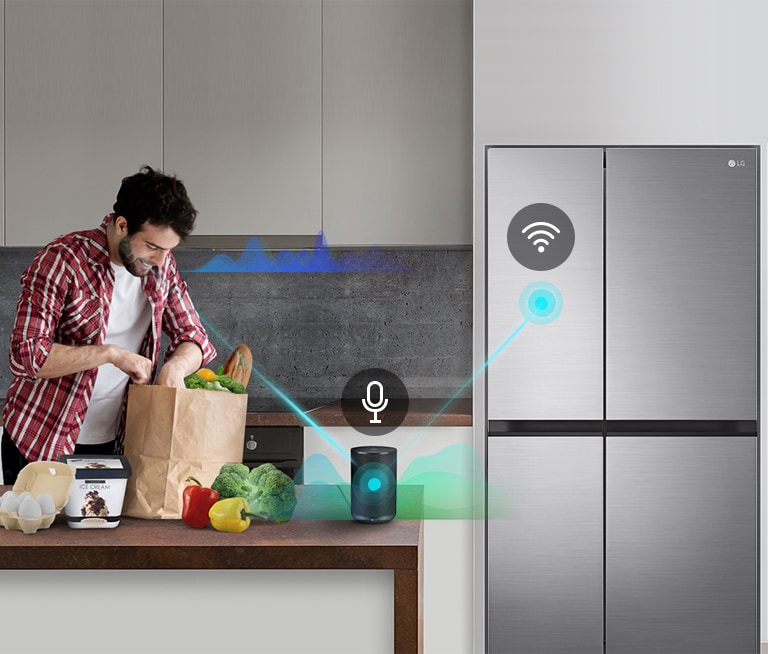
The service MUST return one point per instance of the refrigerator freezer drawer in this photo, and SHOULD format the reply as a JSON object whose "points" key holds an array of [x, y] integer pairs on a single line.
{"points": [[681, 283], [681, 545], [545, 545], [548, 371]]}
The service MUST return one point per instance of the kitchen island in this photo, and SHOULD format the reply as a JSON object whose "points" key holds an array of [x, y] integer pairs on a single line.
{"points": [[321, 535]]}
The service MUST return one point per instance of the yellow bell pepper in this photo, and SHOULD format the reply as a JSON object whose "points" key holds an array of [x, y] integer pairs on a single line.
{"points": [[231, 514]]}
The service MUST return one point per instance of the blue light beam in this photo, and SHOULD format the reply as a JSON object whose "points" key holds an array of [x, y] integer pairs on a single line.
{"points": [[479, 371], [294, 407]]}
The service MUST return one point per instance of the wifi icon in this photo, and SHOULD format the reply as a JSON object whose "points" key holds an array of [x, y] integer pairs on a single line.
{"points": [[541, 237]]}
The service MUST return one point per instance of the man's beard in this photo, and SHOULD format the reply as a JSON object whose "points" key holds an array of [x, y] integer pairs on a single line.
{"points": [[132, 263]]}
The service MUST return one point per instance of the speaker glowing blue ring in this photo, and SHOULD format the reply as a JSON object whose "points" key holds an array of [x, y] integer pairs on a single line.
{"points": [[541, 302], [374, 479]]}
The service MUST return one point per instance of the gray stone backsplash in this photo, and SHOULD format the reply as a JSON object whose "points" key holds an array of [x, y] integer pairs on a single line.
{"points": [[310, 332]]}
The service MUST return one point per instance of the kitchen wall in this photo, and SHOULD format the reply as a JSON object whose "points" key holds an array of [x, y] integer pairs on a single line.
{"points": [[311, 332]]}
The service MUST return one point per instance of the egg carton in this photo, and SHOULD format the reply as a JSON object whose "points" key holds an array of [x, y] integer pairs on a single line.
{"points": [[11, 520], [52, 477]]}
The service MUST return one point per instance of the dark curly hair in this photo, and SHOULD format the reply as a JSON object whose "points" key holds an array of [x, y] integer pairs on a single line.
{"points": [[153, 196]]}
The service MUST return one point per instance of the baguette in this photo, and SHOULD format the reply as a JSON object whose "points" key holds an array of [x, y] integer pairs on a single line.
{"points": [[239, 364]]}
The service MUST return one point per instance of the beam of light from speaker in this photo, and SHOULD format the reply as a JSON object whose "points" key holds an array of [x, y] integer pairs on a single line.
{"points": [[474, 376], [293, 406]]}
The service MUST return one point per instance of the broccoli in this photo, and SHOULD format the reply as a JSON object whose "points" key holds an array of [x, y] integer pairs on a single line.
{"points": [[276, 493], [269, 492], [233, 480]]}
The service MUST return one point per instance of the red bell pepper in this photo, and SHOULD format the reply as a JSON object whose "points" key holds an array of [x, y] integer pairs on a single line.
{"points": [[197, 501]]}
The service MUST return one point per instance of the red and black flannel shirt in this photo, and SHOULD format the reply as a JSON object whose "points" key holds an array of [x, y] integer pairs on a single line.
{"points": [[65, 298]]}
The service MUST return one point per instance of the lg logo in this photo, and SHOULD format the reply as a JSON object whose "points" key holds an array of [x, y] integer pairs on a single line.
{"points": [[732, 163]]}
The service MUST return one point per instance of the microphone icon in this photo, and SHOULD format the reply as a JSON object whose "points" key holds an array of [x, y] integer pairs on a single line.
{"points": [[375, 407]]}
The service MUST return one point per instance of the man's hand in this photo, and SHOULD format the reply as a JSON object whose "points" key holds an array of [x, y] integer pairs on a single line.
{"points": [[137, 367]]}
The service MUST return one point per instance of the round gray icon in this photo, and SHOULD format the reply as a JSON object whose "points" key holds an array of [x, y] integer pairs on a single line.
{"points": [[540, 236], [374, 402]]}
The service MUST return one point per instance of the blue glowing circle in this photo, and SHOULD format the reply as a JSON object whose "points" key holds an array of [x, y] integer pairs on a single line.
{"points": [[374, 484], [541, 302]]}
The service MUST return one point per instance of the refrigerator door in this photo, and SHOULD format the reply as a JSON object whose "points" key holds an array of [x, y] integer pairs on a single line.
{"points": [[545, 545], [550, 370], [681, 544], [681, 291]]}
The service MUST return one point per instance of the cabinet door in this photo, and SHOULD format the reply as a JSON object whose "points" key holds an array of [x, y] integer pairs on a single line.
{"points": [[545, 545], [242, 113], [681, 283], [681, 545], [397, 122], [83, 109]]}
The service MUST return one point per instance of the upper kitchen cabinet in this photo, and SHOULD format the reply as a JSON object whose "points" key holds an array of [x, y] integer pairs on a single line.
{"points": [[83, 109], [242, 108], [397, 122]]}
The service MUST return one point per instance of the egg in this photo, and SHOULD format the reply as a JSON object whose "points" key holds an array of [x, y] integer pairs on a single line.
{"points": [[24, 494], [29, 508], [47, 503], [9, 502]]}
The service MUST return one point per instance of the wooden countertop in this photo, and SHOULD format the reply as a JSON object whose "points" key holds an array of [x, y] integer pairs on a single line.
{"points": [[437, 412], [321, 535]]}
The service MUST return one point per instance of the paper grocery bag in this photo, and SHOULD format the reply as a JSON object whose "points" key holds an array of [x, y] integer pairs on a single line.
{"points": [[172, 433]]}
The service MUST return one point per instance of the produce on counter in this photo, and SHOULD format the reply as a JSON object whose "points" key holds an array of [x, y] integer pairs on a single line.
{"points": [[270, 493], [231, 514], [197, 501], [205, 379]]}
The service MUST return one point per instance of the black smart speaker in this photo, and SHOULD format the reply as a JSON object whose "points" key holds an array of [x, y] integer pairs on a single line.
{"points": [[374, 483]]}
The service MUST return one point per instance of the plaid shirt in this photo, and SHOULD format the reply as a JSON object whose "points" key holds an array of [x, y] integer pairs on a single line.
{"points": [[65, 298]]}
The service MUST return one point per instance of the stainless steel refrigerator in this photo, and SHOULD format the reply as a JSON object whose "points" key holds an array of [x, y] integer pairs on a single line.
{"points": [[622, 334]]}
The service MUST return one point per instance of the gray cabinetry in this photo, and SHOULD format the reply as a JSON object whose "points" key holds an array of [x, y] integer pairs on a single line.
{"points": [[545, 544], [681, 556], [397, 122], [83, 109], [242, 113]]}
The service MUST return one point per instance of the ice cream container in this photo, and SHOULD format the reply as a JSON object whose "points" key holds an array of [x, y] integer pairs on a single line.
{"points": [[98, 490]]}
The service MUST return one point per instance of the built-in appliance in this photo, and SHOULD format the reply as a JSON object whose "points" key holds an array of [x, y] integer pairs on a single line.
{"points": [[622, 400], [280, 445]]}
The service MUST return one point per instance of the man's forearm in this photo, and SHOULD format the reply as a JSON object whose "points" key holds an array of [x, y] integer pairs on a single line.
{"points": [[68, 359], [187, 357]]}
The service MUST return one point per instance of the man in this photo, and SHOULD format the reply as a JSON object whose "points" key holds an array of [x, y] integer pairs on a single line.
{"points": [[89, 319]]}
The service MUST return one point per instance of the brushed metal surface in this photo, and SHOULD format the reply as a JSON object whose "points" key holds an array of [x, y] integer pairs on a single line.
{"points": [[552, 371], [681, 545], [681, 283], [545, 545]]}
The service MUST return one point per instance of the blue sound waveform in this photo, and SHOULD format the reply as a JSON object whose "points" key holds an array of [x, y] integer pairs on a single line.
{"points": [[319, 259]]}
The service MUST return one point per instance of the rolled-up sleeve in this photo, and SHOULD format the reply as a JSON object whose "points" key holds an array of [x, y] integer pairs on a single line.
{"points": [[38, 311], [181, 321]]}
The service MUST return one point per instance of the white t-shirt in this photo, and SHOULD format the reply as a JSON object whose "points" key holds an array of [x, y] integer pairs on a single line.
{"points": [[130, 315]]}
